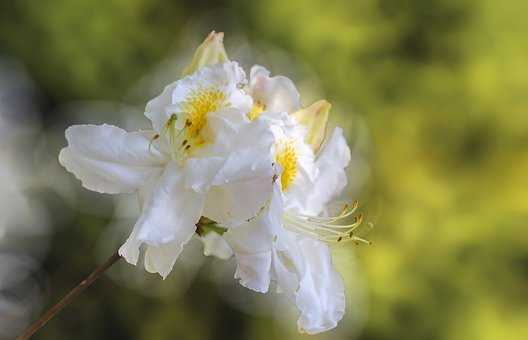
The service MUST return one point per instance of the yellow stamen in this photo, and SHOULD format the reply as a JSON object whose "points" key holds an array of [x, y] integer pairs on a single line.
{"points": [[286, 157], [256, 110]]}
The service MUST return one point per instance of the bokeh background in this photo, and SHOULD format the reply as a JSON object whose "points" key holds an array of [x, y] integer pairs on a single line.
{"points": [[434, 99]]}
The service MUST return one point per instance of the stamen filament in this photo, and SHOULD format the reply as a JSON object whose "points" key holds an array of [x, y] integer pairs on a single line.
{"points": [[327, 229]]}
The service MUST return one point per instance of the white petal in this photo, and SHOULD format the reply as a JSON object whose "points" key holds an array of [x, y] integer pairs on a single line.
{"points": [[155, 110], [167, 222], [231, 130], [200, 172], [131, 248], [304, 272], [216, 245], [243, 182], [253, 271], [278, 94], [331, 163], [234, 203], [232, 133], [108, 159], [170, 211], [160, 259], [321, 294], [298, 194], [335, 152], [253, 242]]}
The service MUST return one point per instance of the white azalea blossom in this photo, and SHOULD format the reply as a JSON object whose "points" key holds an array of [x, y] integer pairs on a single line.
{"points": [[288, 243], [202, 148], [240, 164]]}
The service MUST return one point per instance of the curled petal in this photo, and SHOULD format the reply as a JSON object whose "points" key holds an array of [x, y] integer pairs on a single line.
{"points": [[321, 294], [277, 94], [305, 273], [253, 271], [161, 259], [108, 159]]}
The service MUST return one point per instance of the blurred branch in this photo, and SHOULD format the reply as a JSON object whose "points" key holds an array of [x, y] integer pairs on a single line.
{"points": [[65, 301]]}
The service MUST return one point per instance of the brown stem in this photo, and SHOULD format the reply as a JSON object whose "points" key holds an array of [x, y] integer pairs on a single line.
{"points": [[65, 301]]}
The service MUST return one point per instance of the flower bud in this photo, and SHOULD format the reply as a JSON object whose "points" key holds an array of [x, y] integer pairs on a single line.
{"points": [[315, 118], [210, 52]]}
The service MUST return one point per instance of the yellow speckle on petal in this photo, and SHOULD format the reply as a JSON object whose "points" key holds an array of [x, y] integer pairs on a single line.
{"points": [[256, 110], [286, 157]]}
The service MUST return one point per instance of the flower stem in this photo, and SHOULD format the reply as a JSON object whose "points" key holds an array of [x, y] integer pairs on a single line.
{"points": [[66, 300]]}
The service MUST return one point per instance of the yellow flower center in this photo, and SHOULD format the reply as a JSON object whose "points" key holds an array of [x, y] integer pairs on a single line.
{"points": [[198, 105], [286, 157], [256, 110], [195, 110]]}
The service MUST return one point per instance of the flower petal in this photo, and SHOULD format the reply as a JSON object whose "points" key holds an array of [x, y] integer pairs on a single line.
{"points": [[278, 94], [161, 259], [234, 203], [167, 222], [331, 163], [170, 210], [108, 159], [305, 272], [252, 244], [253, 271], [321, 295], [231, 131], [243, 179], [216, 245]]}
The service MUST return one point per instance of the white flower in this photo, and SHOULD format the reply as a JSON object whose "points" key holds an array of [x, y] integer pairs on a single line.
{"points": [[204, 157], [288, 242], [242, 166]]}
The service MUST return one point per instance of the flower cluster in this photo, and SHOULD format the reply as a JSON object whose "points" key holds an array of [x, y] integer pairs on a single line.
{"points": [[240, 164]]}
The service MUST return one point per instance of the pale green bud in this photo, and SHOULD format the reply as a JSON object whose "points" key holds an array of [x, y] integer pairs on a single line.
{"points": [[210, 52]]}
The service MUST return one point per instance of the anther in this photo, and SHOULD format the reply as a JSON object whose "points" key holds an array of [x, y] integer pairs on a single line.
{"points": [[358, 219]]}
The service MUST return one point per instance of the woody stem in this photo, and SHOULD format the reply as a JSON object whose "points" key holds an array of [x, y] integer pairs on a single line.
{"points": [[66, 300]]}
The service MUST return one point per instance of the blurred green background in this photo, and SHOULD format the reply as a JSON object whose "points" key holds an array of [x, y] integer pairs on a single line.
{"points": [[434, 94]]}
